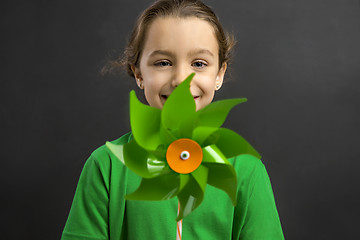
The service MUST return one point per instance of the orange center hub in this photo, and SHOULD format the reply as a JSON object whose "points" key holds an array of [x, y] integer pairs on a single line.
{"points": [[184, 155]]}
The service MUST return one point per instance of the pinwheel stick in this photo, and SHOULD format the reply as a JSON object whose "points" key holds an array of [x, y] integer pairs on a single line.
{"points": [[179, 226]]}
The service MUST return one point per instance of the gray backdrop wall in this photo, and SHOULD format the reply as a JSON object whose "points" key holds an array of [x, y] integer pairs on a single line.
{"points": [[296, 61]]}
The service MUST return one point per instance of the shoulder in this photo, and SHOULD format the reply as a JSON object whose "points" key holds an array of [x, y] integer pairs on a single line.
{"points": [[102, 153], [102, 159], [246, 164], [248, 170]]}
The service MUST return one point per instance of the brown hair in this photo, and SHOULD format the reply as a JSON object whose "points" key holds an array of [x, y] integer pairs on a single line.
{"points": [[167, 8]]}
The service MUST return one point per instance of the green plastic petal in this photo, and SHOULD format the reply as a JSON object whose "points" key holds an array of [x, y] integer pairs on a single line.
{"points": [[138, 160], [184, 180], [212, 154], [230, 143], [143, 163], [201, 175], [162, 187], [145, 123], [200, 134], [190, 198], [117, 150], [166, 136], [223, 176], [178, 114], [214, 114]]}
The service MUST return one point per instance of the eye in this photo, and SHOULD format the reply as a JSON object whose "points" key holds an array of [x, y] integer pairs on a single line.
{"points": [[162, 63], [199, 64]]}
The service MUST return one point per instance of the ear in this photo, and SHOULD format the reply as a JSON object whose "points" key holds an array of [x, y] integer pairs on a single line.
{"points": [[138, 77], [220, 77]]}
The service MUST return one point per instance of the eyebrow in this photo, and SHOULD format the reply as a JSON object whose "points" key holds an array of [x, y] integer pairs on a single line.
{"points": [[200, 51], [191, 53], [161, 52]]}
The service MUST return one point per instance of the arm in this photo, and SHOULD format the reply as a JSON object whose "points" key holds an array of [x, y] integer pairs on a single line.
{"points": [[88, 217], [256, 216]]}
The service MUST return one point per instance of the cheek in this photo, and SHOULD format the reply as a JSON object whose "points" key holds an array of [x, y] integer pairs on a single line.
{"points": [[208, 83], [152, 97], [149, 81], [154, 79]]}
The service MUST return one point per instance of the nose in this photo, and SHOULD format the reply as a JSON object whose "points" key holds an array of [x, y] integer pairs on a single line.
{"points": [[179, 75]]}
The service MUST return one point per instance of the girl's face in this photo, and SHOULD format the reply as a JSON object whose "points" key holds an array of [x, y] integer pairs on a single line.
{"points": [[174, 48]]}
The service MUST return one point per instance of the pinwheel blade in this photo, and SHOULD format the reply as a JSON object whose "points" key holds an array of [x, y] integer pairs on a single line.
{"points": [[223, 176], [190, 198], [143, 163], [214, 114], [230, 143], [117, 150], [212, 154], [184, 180], [200, 134], [145, 123], [178, 114], [166, 135], [138, 160], [162, 187], [201, 175]]}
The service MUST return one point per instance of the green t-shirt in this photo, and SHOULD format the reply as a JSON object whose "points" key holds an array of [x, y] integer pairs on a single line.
{"points": [[99, 210]]}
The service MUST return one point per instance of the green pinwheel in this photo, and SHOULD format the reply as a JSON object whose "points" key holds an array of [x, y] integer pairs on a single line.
{"points": [[178, 151]]}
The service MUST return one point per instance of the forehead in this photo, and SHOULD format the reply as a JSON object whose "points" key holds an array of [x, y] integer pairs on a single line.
{"points": [[180, 34]]}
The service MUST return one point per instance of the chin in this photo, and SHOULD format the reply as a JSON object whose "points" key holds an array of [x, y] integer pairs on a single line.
{"points": [[199, 106]]}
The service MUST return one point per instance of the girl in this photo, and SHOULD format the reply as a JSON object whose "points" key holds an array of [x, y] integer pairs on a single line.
{"points": [[171, 39]]}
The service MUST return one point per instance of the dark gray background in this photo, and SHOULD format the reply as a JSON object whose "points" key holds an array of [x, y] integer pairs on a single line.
{"points": [[296, 61]]}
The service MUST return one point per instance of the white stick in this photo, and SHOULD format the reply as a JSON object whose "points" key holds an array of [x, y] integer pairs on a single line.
{"points": [[179, 226]]}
